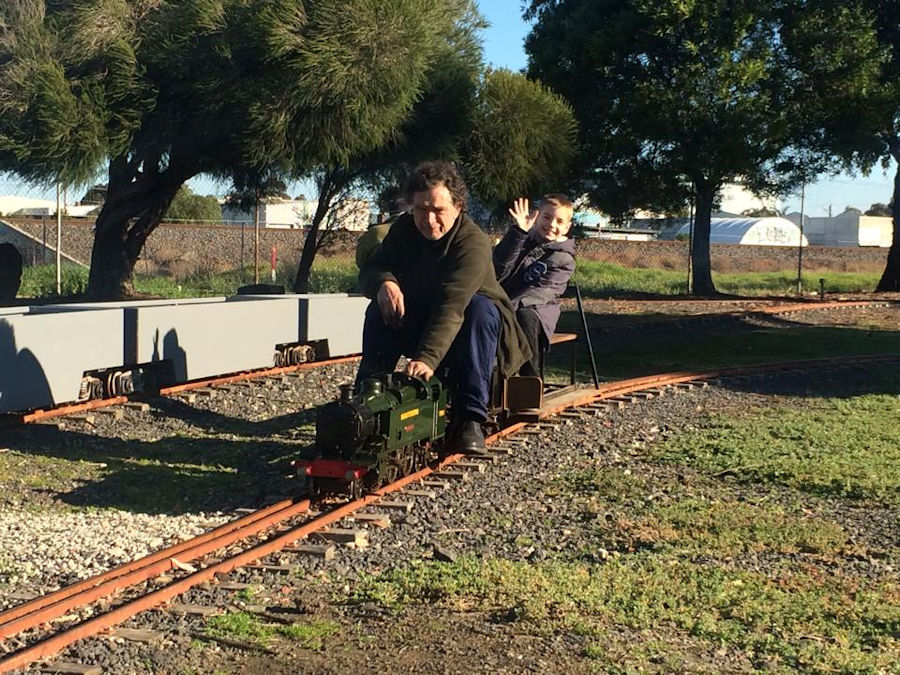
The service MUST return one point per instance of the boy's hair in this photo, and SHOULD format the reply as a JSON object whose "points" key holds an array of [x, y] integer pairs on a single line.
{"points": [[560, 201], [432, 173]]}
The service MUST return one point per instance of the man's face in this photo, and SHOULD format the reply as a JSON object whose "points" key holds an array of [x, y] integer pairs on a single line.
{"points": [[553, 222], [434, 212]]}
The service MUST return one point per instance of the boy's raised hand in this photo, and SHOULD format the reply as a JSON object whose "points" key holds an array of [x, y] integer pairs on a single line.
{"points": [[519, 213]]}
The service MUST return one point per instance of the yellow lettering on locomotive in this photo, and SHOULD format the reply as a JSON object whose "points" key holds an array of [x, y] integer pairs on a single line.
{"points": [[408, 414]]}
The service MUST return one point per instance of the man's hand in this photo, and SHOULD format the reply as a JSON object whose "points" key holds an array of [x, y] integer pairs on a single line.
{"points": [[519, 213], [390, 304], [419, 369]]}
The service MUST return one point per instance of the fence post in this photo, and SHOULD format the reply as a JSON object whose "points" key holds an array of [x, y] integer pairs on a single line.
{"points": [[800, 243]]}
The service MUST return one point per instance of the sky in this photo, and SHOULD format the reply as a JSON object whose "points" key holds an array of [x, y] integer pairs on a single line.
{"points": [[504, 47]]}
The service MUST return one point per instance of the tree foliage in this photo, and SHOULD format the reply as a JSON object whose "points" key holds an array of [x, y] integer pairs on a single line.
{"points": [[157, 92], [190, 207], [867, 134], [674, 96], [879, 209], [509, 135]]}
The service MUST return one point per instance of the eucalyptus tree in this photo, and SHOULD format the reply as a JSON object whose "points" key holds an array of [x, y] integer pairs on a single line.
{"points": [[154, 92], [676, 96]]}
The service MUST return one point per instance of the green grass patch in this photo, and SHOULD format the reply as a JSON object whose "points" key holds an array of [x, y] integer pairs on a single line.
{"points": [[680, 520], [39, 281], [657, 351], [835, 447], [729, 528], [597, 279], [249, 628], [801, 620], [241, 626], [311, 634]]}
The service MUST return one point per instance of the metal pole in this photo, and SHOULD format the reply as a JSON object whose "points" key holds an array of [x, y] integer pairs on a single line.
{"points": [[587, 337], [800, 243], [58, 241], [256, 243], [690, 268]]}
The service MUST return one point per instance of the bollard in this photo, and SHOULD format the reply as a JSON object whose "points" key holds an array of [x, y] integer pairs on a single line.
{"points": [[821, 289]]}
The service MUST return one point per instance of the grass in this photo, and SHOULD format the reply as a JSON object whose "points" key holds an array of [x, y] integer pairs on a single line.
{"points": [[337, 274], [329, 275], [853, 623], [664, 350], [717, 543], [249, 628], [598, 279], [831, 447]]}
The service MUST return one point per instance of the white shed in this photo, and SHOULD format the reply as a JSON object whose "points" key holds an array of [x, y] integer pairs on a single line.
{"points": [[771, 231]]}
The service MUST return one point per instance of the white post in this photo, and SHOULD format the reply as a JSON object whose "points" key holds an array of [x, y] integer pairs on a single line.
{"points": [[58, 241]]}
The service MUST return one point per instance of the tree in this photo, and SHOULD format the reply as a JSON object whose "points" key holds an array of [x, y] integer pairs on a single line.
{"points": [[878, 209], [155, 93], [677, 98], [761, 212], [868, 133], [189, 207], [507, 133]]}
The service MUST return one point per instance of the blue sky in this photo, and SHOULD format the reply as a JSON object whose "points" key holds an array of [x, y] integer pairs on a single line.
{"points": [[503, 47]]}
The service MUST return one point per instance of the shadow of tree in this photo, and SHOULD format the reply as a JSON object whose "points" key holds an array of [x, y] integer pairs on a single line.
{"points": [[172, 475]]}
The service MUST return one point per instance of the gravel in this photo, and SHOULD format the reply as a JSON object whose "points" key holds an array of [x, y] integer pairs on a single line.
{"points": [[504, 512]]}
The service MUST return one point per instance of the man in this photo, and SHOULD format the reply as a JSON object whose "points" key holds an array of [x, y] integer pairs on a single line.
{"points": [[534, 263], [436, 300]]}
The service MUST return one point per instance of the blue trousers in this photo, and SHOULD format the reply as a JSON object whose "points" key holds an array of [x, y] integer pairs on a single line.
{"points": [[470, 359]]}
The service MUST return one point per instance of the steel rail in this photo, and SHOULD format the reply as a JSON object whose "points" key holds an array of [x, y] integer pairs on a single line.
{"points": [[94, 625], [73, 408], [46, 608]]}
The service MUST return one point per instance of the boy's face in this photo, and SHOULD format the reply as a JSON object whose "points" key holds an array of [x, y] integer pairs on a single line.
{"points": [[553, 222]]}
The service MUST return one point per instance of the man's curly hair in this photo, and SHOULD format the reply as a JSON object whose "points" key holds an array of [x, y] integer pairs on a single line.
{"points": [[431, 174]]}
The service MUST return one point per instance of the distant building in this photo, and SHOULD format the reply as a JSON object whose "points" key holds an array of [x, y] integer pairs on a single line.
{"points": [[849, 228], [13, 205], [281, 213], [772, 231], [620, 234], [350, 214]]}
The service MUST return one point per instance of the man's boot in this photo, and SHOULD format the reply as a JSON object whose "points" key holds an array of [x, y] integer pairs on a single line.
{"points": [[471, 438]]}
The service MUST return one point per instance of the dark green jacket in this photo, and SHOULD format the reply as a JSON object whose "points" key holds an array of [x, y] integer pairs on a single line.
{"points": [[438, 279]]}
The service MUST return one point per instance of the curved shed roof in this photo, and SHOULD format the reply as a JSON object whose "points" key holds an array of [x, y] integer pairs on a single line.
{"points": [[772, 231]]}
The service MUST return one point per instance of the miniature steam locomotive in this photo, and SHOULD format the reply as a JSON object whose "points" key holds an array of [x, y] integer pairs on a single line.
{"points": [[386, 429]]}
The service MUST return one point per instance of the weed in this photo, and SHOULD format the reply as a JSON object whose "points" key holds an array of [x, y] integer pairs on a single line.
{"points": [[240, 626], [310, 635]]}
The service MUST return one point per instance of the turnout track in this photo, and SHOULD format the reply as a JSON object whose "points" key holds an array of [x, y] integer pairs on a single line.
{"points": [[23, 628]]}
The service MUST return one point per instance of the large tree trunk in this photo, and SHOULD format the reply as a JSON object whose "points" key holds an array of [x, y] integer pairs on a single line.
{"points": [[135, 203], [329, 186], [701, 275], [890, 278]]}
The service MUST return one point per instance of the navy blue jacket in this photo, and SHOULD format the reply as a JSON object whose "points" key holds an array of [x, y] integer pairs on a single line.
{"points": [[534, 274]]}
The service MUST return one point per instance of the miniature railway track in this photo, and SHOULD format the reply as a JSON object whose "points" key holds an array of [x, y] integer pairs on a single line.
{"points": [[76, 408], [280, 525], [174, 390]]}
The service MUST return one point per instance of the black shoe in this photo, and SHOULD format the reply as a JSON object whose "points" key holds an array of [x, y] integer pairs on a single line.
{"points": [[471, 438]]}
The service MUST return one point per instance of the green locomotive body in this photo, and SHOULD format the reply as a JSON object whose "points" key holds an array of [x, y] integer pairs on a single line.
{"points": [[374, 435]]}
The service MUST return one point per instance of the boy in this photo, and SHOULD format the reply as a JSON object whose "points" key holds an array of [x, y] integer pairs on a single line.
{"points": [[533, 263]]}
